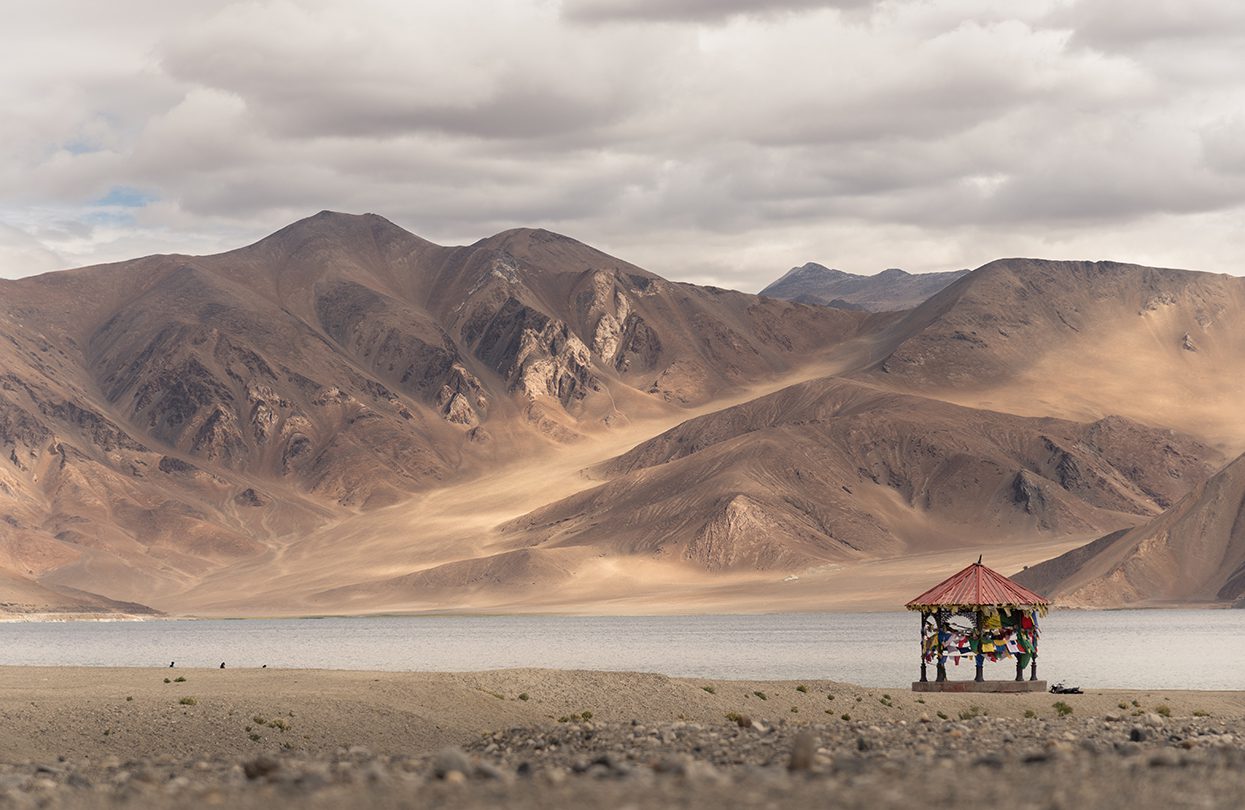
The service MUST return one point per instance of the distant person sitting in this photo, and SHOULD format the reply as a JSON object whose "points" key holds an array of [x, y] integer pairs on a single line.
{"points": [[222, 664], [171, 663]]}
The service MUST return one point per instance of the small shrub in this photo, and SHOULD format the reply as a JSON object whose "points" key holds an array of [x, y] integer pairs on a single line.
{"points": [[1122, 705], [795, 710], [942, 715], [845, 717], [829, 697], [107, 731], [524, 696], [586, 715], [188, 701], [802, 688], [259, 720], [710, 690], [129, 698], [859, 698], [179, 679], [920, 700], [564, 719], [1030, 713], [279, 724], [971, 712], [166, 680], [248, 728], [254, 737], [886, 701], [1165, 711], [761, 695], [1135, 703], [1063, 708], [734, 717], [1201, 713]]}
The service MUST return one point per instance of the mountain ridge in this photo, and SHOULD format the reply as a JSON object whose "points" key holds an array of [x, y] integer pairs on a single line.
{"points": [[346, 416], [890, 290]]}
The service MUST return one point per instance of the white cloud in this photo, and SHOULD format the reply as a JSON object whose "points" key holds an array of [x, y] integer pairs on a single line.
{"points": [[23, 255], [721, 141]]}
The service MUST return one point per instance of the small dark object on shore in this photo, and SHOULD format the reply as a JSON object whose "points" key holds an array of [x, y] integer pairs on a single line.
{"points": [[171, 663], [1060, 689], [222, 664]]}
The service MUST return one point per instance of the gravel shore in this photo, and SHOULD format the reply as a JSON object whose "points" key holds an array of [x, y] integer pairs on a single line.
{"points": [[526, 739]]}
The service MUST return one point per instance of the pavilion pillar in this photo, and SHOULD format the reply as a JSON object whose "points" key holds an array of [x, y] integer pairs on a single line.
{"points": [[938, 650], [1033, 666], [1020, 668], [981, 656], [924, 618]]}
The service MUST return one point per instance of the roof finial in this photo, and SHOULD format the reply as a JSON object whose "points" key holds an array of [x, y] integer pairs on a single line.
{"points": [[979, 556]]}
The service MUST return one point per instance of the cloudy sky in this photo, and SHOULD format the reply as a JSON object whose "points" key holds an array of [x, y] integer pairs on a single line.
{"points": [[718, 141]]}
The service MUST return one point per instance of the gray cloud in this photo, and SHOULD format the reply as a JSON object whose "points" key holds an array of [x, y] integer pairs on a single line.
{"points": [[692, 10], [1126, 24], [715, 141]]}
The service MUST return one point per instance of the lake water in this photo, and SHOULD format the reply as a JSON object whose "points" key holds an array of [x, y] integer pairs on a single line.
{"points": [[1152, 649]]}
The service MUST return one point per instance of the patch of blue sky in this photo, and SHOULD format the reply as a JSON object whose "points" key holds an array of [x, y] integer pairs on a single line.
{"points": [[125, 197], [116, 208], [82, 147]]}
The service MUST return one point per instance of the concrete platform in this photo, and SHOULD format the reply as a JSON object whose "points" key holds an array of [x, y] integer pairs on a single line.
{"points": [[978, 686]]}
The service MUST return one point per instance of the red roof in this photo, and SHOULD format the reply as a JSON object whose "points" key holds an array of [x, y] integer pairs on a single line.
{"points": [[978, 585]]}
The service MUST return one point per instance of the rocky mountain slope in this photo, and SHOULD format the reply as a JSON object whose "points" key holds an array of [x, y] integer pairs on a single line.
{"points": [[1192, 553], [831, 470], [1080, 340], [346, 417], [166, 417], [887, 291]]}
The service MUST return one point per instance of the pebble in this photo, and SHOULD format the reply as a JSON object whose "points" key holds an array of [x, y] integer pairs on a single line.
{"points": [[803, 752], [452, 760]]}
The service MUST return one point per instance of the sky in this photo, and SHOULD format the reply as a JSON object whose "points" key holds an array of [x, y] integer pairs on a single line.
{"points": [[714, 141]]}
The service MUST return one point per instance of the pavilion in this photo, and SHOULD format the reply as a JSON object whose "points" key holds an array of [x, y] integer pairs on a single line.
{"points": [[981, 615]]}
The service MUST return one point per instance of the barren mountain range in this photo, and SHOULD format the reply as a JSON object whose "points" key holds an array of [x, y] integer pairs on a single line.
{"points": [[344, 417], [887, 291]]}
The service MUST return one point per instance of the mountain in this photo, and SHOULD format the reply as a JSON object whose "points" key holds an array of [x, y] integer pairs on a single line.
{"points": [[168, 417], [1080, 340], [830, 470], [1192, 553], [344, 417], [887, 291]]}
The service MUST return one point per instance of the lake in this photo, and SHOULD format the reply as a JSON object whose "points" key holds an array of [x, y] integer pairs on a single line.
{"points": [[1150, 649]]}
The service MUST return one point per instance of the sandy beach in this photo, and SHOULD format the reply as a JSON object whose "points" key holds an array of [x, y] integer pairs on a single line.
{"points": [[86, 737]]}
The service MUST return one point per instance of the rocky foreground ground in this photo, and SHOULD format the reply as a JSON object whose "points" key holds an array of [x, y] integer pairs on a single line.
{"points": [[1065, 763], [872, 749]]}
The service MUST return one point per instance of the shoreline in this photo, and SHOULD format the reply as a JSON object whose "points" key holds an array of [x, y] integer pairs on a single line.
{"points": [[904, 688], [52, 617]]}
